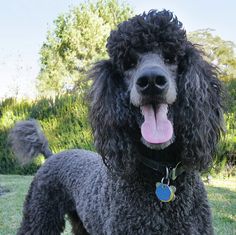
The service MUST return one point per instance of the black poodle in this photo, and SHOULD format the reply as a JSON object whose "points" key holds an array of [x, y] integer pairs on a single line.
{"points": [[156, 115]]}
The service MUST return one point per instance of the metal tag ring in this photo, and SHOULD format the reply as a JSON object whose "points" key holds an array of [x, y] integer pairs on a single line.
{"points": [[168, 181]]}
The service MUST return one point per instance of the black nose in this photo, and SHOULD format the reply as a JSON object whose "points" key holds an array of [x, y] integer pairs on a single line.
{"points": [[152, 81]]}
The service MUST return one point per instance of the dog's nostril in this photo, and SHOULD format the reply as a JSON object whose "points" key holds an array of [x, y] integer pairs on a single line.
{"points": [[143, 82], [160, 81]]}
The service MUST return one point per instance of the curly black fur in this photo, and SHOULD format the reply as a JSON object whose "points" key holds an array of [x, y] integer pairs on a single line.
{"points": [[197, 111], [119, 197], [155, 32], [199, 119], [113, 123]]}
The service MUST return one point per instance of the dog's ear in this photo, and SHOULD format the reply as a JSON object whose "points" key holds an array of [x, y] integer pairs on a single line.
{"points": [[109, 115], [199, 111]]}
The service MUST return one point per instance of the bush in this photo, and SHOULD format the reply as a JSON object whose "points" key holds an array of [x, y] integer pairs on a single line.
{"points": [[64, 121], [225, 161]]}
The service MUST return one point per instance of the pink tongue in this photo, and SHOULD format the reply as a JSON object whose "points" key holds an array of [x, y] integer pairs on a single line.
{"points": [[156, 128]]}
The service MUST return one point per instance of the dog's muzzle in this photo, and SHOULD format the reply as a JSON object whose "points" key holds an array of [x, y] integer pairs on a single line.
{"points": [[153, 90]]}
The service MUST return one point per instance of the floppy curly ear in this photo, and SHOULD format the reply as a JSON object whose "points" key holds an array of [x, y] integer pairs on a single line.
{"points": [[109, 116], [200, 116]]}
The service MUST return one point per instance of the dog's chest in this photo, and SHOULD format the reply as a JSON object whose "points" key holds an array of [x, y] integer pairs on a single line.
{"points": [[132, 209]]}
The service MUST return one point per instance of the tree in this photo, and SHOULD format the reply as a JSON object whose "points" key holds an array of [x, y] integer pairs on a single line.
{"points": [[222, 54], [217, 51], [78, 40]]}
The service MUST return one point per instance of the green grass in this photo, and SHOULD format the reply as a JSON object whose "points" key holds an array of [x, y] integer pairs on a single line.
{"points": [[221, 193], [222, 196], [11, 203]]}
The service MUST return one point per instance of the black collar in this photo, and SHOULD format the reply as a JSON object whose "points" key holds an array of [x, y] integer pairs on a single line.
{"points": [[174, 170]]}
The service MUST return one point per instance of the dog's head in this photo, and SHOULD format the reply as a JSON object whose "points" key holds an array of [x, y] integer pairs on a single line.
{"points": [[155, 90]]}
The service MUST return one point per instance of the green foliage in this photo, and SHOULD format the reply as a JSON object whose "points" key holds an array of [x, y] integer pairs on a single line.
{"points": [[217, 51], [64, 121], [231, 95], [225, 161], [78, 40], [11, 111]]}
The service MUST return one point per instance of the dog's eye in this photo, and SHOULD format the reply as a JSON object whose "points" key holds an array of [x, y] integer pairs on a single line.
{"points": [[129, 64], [130, 60], [170, 60], [167, 61]]}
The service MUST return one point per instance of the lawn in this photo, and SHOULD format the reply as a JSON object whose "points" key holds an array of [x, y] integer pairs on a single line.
{"points": [[221, 193]]}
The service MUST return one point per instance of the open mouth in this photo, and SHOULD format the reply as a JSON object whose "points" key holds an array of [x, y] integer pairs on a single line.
{"points": [[157, 130]]}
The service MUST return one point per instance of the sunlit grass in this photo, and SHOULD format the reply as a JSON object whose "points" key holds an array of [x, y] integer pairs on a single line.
{"points": [[222, 196], [221, 193]]}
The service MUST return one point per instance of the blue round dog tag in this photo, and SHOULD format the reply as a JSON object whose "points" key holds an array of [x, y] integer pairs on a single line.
{"points": [[164, 192]]}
